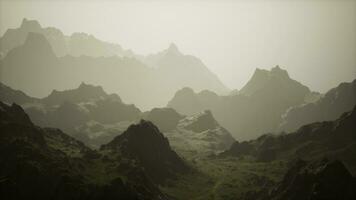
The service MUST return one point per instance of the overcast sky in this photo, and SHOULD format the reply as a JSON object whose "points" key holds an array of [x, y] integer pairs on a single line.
{"points": [[314, 40]]}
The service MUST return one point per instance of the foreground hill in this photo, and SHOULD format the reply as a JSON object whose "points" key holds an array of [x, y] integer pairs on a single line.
{"points": [[33, 59], [329, 107], [147, 145], [39, 163], [322, 179], [256, 109], [332, 139]]}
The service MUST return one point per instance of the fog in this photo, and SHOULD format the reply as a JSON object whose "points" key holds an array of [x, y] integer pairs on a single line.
{"points": [[314, 40]]}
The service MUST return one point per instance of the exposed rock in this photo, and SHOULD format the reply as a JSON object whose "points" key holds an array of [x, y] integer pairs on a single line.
{"points": [[146, 144]]}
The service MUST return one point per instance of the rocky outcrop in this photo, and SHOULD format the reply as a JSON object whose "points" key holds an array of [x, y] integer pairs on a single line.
{"points": [[144, 143], [316, 180]]}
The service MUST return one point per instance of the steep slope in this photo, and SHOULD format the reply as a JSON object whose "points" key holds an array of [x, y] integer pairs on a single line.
{"points": [[256, 109], [332, 139], [329, 107], [10, 95], [188, 71], [322, 179], [41, 163], [147, 145], [95, 116], [88, 113], [23, 67]]}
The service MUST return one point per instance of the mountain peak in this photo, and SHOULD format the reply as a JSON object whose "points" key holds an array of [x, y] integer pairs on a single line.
{"points": [[84, 92], [279, 72], [30, 25], [13, 114], [37, 42], [145, 143], [173, 49], [201, 121]]}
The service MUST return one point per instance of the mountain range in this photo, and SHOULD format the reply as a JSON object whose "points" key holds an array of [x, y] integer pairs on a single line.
{"points": [[36, 55], [45, 163], [97, 117], [256, 109], [82, 118]]}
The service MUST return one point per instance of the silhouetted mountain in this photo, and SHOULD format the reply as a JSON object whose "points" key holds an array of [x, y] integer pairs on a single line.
{"points": [[329, 107], [186, 70], [145, 143], [332, 139], [77, 44], [88, 113], [25, 61], [76, 110], [10, 95], [256, 109], [322, 179], [83, 93], [45, 163]]}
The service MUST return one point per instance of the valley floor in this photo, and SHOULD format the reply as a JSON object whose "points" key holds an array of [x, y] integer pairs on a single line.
{"points": [[226, 178]]}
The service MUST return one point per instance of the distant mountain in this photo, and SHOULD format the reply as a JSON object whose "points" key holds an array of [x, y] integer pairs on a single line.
{"points": [[146, 144], [39, 163], [256, 109], [187, 102], [34, 60], [90, 109], [328, 107], [186, 70], [166, 119], [87, 113], [83, 93], [77, 44]]}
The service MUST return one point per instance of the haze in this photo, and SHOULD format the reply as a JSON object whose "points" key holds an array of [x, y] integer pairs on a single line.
{"points": [[314, 40]]}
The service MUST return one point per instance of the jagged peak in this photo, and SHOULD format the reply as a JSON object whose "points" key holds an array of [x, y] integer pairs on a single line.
{"points": [[30, 25], [13, 113], [172, 49], [186, 90], [201, 121], [279, 72], [84, 85], [37, 41]]}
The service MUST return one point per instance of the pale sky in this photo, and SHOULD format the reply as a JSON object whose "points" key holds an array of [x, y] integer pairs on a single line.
{"points": [[314, 40]]}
